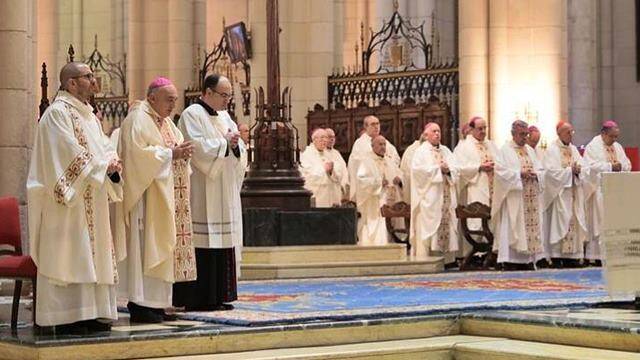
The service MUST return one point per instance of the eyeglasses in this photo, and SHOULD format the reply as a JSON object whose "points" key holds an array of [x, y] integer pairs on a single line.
{"points": [[224, 95], [88, 76]]}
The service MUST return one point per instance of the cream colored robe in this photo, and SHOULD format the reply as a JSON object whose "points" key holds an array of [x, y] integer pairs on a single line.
{"points": [[405, 167], [326, 189], [427, 198], [68, 193], [507, 210], [564, 211], [371, 195], [362, 149], [595, 156], [474, 185], [338, 162], [148, 179], [216, 180]]}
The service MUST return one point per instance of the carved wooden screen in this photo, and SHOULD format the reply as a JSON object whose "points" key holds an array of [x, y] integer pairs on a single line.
{"points": [[402, 94]]}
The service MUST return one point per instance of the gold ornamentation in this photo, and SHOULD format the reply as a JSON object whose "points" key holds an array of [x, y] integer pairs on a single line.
{"points": [[531, 205], [184, 268]]}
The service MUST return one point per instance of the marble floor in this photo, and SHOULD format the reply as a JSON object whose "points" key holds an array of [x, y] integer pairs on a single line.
{"points": [[608, 327]]}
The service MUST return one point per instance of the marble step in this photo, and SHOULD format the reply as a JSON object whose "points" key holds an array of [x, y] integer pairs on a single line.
{"points": [[341, 268], [459, 347], [321, 253]]}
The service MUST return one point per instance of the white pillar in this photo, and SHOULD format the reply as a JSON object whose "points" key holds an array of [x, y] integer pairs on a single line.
{"points": [[473, 59], [18, 117], [583, 69]]}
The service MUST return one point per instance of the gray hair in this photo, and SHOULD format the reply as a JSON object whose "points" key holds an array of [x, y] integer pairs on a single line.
{"points": [[518, 124]]}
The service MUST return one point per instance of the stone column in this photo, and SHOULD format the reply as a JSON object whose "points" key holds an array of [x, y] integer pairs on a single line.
{"points": [[306, 55], [527, 65], [582, 69], [473, 59], [161, 43], [17, 98], [47, 49]]}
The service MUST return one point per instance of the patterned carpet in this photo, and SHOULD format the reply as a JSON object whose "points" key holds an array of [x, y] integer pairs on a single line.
{"points": [[330, 299]]}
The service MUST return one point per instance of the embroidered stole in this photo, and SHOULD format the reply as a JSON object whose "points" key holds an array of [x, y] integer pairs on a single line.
{"points": [[184, 254], [87, 196], [485, 156], [445, 220], [568, 242], [611, 153], [531, 205]]}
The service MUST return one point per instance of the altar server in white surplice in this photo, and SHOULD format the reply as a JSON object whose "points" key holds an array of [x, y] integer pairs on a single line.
{"points": [[475, 160], [362, 149], [339, 165], [74, 171], [433, 198], [379, 182], [565, 223], [602, 154], [319, 171], [155, 217], [516, 211], [217, 213]]}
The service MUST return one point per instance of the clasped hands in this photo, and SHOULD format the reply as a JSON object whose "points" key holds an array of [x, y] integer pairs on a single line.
{"points": [[232, 138], [487, 166], [616, 166], [528, 174], [115, 166], [396, 181], [182, 151]]}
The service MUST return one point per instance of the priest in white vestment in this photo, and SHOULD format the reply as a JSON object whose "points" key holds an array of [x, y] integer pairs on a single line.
{"points": [[379, 182], [602, 154], [475, 160], [433, 198], [338, 163], [319, 172], [218, 173], [405, 167], [517, 203], [362, 149], [245, 136], [565, 224], [533, 140], [155, 217], [74, 172]]}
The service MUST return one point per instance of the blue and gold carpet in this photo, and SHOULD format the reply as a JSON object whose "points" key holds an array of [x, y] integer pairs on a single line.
{"points": [[335, 299]]}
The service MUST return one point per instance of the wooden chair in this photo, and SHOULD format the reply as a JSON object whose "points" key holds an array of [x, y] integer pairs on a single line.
{"points": [[476, 210], [14, 265], [398, 210]]}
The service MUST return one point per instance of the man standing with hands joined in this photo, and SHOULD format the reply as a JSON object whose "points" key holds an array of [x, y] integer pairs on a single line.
{"points": [[156, 215], [217, 214]]}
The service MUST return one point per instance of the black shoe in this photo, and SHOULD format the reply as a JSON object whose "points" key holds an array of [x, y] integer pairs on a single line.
{"points": [[96, 326], [76, 328], [223, 307], [542, 264], [165, 316], [143, 314]]}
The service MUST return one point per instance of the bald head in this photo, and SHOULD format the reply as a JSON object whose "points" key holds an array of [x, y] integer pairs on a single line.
{"points": [[331, 138], [243, 129], [371, 125], [432, 133], [379, 145], [77, 79], [319, 138], [534, 136], [72, 70]]}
